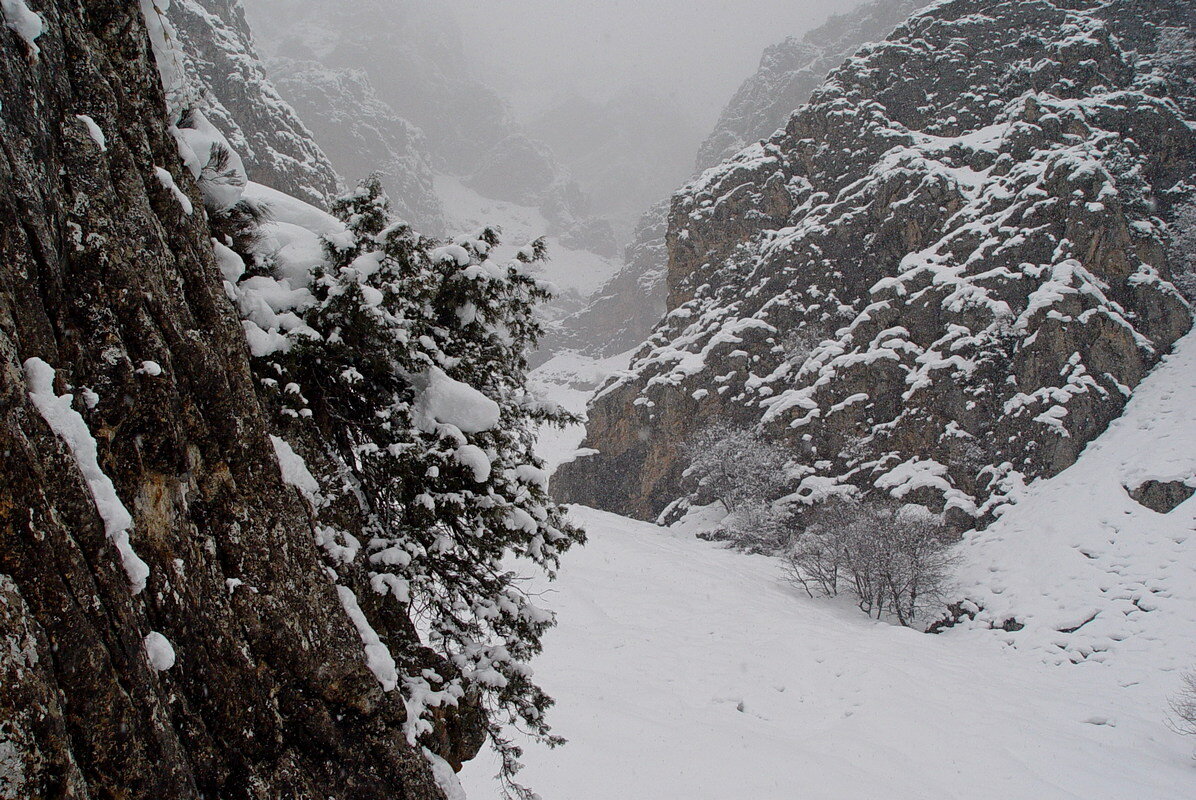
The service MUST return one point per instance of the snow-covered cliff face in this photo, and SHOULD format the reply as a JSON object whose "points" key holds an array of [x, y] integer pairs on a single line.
{"points": [[940, 280], [412, 52], [621, 313], [357, 70], [790, 71], [218, 55]]}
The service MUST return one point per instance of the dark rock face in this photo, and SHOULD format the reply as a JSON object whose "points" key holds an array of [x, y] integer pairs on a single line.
{"points": [[790, 70], [240, 99], [101, 271], [1161, 496], [943, 278]]}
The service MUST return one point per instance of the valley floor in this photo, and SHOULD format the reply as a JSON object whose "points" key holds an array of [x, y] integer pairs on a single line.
{"points": [[685, 670]]}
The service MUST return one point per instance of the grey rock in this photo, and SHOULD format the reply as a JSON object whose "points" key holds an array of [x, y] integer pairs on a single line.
{"points": [[102, 269], [362, 135], [790, 71], [222, 62], [942, 278], [1161, 496]]}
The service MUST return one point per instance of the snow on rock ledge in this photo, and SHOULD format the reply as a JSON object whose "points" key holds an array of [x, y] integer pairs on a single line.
{"points": [[71, 427]]}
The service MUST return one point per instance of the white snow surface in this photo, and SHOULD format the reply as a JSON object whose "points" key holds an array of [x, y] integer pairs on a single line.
{"points": [[159, 651], [167, 181], [685, 670], [377, 656], [197, 143], [67, 423], [1078, 551], [291, 237], [94, 131], [168, 56], [568, 269], [444, 776], [21, 19], [294, 469]]}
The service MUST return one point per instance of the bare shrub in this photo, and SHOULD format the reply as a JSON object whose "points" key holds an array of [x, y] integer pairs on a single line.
{"points": [[1183, 707], [755, 526], [891, 560], [734, 466]]}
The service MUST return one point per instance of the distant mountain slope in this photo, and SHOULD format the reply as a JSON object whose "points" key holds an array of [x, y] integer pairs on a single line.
{"points": [[623, 312], [942, 279], [411, 51], [790, 70], [362, 134], [387, 79]]}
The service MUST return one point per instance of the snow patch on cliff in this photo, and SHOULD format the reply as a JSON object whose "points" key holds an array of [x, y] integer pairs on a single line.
{"points": [[72, 429]]}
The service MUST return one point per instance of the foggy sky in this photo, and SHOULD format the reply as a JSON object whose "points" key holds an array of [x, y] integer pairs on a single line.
{"points": [[696, 51]]}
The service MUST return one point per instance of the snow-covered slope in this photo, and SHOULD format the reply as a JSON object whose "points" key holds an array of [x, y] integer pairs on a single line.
{"points": [[575, 272], [738, 685], [1078, 552], [685, 671]]}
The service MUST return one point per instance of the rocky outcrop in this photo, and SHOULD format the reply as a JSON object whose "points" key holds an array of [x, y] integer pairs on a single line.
{"points": [[363, 135], [1162, 496], [790, 71], [939, 281], [171, 629], [220, 59]]}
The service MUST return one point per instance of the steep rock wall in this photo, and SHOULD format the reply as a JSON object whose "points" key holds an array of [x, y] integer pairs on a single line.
{"points": [[941, 280], [623, 312], [107, 275], [220, 57], [790, 70]]}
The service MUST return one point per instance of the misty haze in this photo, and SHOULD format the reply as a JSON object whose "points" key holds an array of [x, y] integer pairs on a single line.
{"points": [[543, 400]]}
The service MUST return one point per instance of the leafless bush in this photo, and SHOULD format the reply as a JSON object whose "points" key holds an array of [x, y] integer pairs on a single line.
{"points": [[1183, 707], [890, 560], [735, 466], [755, 526]]}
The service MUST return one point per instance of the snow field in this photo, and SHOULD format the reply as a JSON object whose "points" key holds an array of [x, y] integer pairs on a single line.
{"points": [[683, 670], [570, 270]]}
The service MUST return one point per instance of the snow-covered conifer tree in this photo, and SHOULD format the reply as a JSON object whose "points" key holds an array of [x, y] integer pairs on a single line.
{"points": [[412, 364]]}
